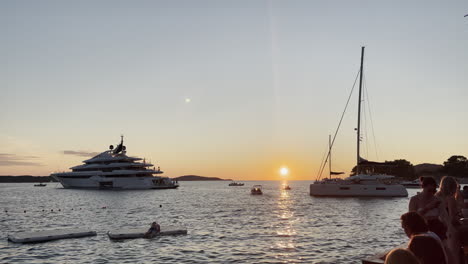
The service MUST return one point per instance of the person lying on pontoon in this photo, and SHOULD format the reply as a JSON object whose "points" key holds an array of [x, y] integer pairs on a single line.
{"points": [[153, 230]]}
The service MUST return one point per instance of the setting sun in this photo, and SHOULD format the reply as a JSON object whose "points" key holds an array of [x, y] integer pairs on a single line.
{"points": [[284, 171]]}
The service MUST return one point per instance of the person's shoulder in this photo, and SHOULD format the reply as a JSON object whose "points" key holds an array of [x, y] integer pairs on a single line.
{"points": [[415, 197], [433, 235]]}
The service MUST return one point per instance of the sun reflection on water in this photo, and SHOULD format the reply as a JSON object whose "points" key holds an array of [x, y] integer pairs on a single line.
{"points": [[285, 245]]}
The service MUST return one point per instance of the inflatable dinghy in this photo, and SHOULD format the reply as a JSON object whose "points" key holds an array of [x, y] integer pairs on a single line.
{"points": [[140, 232], [48, 235]]}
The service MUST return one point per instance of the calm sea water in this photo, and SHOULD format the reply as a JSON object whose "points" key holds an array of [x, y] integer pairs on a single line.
{"points": [[225, 224]]}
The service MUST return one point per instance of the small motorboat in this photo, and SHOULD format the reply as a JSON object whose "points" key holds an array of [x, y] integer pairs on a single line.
{"points": [[40, 185], [236, 184], [256, 190], [287, 188]]}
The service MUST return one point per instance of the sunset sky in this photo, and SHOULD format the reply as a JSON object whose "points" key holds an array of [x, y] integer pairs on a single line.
{"points": [[230, 89]]}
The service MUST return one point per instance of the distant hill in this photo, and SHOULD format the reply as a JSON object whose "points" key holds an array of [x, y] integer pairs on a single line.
{"points": [[26, 178], [427, 169], [198, 178]]}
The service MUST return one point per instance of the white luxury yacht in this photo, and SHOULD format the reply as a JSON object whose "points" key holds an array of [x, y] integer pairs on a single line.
{"points": [[362, 184], [113, 169]]}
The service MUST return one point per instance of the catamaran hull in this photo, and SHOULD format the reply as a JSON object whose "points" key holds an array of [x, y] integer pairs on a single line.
{"points": [[97, 182], [358, 190]]}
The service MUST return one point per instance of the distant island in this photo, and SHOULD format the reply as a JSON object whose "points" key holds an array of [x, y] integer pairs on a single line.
{"points": [[26, 178], [199, 178], [29, 178]]}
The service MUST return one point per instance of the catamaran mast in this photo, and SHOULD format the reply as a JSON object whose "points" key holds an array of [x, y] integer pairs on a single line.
{"points": [[359, 111], [329, 156]]}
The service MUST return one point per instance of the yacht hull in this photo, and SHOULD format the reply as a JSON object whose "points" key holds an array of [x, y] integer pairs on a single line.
{"points": [[357, 190], [98, 182]]}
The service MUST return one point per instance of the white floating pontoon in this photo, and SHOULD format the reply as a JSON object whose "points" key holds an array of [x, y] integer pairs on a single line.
{"points": [[140, 232], [42, 236]]}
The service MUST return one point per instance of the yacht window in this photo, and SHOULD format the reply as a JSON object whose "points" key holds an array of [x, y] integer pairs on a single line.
{"points": [[344, 188], [74, 177], [380, 188]]}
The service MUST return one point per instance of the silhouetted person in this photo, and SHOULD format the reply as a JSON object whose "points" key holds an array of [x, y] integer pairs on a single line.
{"points": [[465, 192], [465, 197], [429, 206], [427, 250], [450, 217], [153, 230], [414, 224]]}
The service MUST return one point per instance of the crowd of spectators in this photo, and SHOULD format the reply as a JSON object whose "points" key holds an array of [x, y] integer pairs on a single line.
{"points": [[432, 225]]}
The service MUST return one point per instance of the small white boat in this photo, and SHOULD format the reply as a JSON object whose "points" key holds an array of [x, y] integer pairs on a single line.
{"points": [[256, 190], [40, 185], [236, 184]]}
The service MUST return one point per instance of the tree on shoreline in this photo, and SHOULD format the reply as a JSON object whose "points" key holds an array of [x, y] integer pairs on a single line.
{"points": [[456, 166], [400, 168]]}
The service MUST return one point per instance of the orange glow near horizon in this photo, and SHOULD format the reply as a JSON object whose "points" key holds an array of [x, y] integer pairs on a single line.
{"points": [[254, 166]]}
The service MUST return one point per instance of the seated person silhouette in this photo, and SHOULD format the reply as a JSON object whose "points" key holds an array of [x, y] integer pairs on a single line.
{"points": [[153, 230]]}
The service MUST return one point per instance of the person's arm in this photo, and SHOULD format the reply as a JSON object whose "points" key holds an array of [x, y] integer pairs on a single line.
{"points": [[148, 232], [433, 204], [460, 200], [413, 204], [452, 209]]}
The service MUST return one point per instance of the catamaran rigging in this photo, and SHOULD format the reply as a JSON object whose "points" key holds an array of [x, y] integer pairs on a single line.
{"points": [[360, 184]]}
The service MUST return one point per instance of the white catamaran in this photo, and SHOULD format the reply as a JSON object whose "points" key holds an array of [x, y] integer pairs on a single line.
{"points": [[113, 169], [362, 184]]}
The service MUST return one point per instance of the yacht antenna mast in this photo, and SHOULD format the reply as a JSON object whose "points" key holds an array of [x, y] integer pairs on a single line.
{"points": [[359, 110], [329, 156]]}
